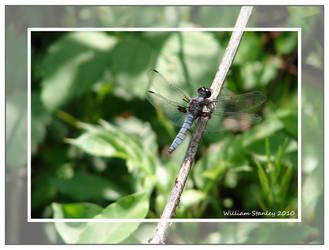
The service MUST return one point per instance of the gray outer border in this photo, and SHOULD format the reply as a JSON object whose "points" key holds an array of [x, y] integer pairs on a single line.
{"points": [[27, 239]]}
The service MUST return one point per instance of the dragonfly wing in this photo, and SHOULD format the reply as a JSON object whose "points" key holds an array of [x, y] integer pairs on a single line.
{"points": [[235, 121], [159, 84], [169, 108], [240, 103]]}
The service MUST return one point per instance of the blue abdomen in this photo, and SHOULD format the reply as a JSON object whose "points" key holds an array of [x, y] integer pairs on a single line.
{"points": [[182, 132]]}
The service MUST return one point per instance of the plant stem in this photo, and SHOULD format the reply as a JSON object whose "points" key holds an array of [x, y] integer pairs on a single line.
{"points": [[160, 232]]}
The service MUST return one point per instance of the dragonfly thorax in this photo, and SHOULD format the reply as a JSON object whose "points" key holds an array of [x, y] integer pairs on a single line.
{"points": [[195, 106]]}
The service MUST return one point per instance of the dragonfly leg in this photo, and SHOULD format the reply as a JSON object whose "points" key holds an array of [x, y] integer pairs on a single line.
{"points": [[181, 109], [185, 99]]}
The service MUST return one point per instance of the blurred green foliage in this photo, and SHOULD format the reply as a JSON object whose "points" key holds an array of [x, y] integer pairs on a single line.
{"points": [[96, 140]]}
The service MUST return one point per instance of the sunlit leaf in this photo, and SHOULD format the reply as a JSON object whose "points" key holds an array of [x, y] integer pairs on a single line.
{"points": [[142, 130], [108, 141], [73, 64], [129, 207], [191, 197]]}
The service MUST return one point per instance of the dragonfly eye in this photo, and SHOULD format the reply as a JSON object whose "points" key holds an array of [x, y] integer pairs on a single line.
{"points": [[204, 92], [208, 93]]}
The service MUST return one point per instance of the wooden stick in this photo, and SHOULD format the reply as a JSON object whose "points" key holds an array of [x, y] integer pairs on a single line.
{"points": [[160, 232]]}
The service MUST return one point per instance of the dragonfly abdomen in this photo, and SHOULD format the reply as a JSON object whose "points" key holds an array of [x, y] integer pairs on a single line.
{"points": [[182, 132]]}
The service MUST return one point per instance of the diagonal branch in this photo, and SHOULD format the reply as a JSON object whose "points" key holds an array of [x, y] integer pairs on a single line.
{"points": [[160, 232]]}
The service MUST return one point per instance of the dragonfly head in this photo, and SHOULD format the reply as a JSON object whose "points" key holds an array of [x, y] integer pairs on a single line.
{"points": [[204, 92]]}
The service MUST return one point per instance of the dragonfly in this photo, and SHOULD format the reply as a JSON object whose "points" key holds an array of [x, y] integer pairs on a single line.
{"points": [[231, 112]]}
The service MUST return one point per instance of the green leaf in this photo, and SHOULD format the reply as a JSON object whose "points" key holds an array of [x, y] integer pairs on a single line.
{"points": [[130, 61], [271, 67], [130, 207], [291, 123], [233, 147], [107, 233], [131, 240], [266, 128], [268, 150], [214, 172], [141, 130], [208, 168], [251, 42], [278, 162], [180, 58], [75, 210], [133, 206], [285, 182], [258, 72], [99, 143], [184, 62], [109, 141], [85, 186], [191, 197], [289, 118], [286, 42], [251, 73], [73, 64], [70, 231], [264, 182]]}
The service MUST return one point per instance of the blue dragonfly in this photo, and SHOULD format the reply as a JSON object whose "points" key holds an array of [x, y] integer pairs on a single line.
{"points": [[231, 112]]}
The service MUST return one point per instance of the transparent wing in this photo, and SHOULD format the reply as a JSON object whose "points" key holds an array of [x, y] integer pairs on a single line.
{"points": [[232, 121], [167, 107], [241, 103], [166, 97], [160, 85], [234, 112]]}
